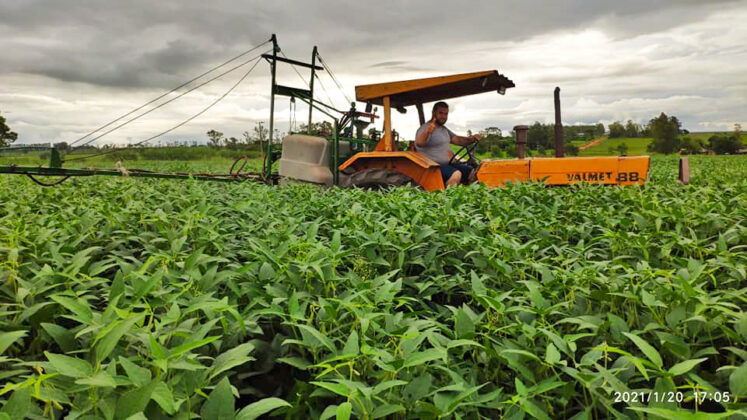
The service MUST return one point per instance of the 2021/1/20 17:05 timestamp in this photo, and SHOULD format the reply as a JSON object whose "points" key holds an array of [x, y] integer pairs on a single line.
{"points": [[645, 397]]}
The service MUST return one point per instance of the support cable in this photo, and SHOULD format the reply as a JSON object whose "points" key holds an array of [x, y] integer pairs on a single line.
{"points": [[169, 92], [334, 79], [325, 91], [183, 122], [170, 100]]}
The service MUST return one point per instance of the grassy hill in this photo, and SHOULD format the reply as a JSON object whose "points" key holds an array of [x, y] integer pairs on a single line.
{"points": [[636, 147], [704, 136]]}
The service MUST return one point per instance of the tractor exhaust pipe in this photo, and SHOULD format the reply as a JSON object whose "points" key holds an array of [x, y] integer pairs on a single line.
{"points": [[521, 140], [559, 152]]}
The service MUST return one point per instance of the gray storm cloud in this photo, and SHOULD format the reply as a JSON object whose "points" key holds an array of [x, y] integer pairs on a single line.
{"points": [[69, 66]]}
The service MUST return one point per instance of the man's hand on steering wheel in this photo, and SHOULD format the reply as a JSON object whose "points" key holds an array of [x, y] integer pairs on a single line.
{"points": [[466, 151]]}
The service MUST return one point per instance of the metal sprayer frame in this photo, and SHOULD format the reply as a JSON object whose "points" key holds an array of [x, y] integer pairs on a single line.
{"points": [[55, 159]]}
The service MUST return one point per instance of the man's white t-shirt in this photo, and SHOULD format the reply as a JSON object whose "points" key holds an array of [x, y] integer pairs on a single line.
{"points": [[437, 147]]}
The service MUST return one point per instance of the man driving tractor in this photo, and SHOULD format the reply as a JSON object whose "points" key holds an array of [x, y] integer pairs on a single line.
{"points": [[433, 139]]}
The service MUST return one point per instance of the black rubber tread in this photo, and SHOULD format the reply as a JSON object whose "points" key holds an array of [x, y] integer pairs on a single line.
{"points": [[378, 178]]}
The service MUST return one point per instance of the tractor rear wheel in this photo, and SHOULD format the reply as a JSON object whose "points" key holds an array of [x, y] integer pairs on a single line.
{"points": [[378, 178]]}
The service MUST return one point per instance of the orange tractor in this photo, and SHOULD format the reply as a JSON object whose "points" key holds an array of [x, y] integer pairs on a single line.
{"points": [[385, 165]]}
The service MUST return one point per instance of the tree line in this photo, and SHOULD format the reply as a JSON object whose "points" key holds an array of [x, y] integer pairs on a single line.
{"points": [[665, 131]]}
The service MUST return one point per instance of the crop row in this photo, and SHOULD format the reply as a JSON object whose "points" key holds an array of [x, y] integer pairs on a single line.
{"points": [[165, 299]]}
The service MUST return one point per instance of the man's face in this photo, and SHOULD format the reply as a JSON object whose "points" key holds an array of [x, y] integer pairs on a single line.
{"points": [[441, 114]]}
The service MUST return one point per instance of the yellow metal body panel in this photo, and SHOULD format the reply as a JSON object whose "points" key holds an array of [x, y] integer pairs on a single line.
{"points": [[498, 172], [608, 170]]}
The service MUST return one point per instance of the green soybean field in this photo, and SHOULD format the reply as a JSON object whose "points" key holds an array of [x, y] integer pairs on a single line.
{"points": [[139, 298]]}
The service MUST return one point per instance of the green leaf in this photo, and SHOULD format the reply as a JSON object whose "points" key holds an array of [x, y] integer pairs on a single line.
{"points": [[8, 338], [232, 358], [351, 346], [99, 379], [646, 348], [386, 410], [421, 357], [463, 324], [552, 355], [686, 366], [108, 342], [296, 362], [179, 350], [321, 338], [682, 414], [383, 386], [338, 389], [69, 366], [117, 288], [19, 404], [266, 272], [77, 306], [63, 337], [478, 287], [738, 381], [220, 403], [462, 342], [328, 412], [139, 375], [263, 406], [533, 409], [146, 287], [164, 398], [134, 401], [343, 411], [157, 350]]}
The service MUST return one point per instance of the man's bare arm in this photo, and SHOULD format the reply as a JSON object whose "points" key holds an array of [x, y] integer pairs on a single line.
{"points": [[465, 141], [421, 140]]}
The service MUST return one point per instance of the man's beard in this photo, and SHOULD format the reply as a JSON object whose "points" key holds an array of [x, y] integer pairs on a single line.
{"points": [[438, 122]]}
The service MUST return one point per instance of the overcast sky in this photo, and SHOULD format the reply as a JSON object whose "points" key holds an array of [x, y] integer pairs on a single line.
{"points": [[71, 66]]}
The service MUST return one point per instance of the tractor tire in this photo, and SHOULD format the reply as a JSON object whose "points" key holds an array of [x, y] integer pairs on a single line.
{"points": [[377, 179]]}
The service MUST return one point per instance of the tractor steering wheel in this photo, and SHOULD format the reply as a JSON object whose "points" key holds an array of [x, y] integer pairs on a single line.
{"points": [[467, 151]]}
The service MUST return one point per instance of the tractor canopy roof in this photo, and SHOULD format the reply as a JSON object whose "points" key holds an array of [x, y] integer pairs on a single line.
{"points": [[418, 91]]}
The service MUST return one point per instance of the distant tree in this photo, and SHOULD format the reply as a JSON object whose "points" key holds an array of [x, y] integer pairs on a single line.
{"points": [[632, 129], [724, 145], [6, 136], [616, 130], [322, 129], [61, 146], [622, 149], [261, 133], [248, 138], [571, 149], [537, 136], [492, 131], [738, 130], [690, 146], [232, 143], [215, 138], [665, 132], [599, 129]]}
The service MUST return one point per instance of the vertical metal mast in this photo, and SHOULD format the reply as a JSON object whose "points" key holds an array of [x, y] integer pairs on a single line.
{"points": [[311, 87], [268, 157]]}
